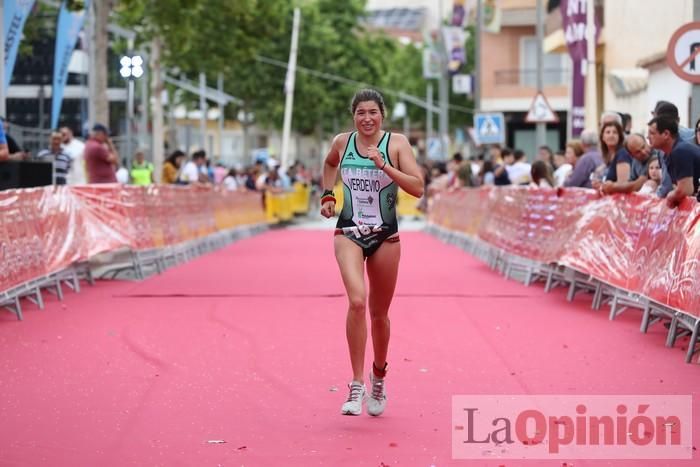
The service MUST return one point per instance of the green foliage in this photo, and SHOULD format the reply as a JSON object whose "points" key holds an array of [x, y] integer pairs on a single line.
{"points": [[75, 5], [231, 36]]}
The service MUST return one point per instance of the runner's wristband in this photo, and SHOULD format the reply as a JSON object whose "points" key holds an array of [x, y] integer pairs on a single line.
{"points": [[328, 192], [327, 198]]}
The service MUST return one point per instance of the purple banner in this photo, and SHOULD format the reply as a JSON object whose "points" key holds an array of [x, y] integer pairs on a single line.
{"points": [[578, 99], [574, 23]]}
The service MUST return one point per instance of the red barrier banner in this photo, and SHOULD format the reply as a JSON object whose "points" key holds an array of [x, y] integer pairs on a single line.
{"points": [[44, 230], [633, 241]]}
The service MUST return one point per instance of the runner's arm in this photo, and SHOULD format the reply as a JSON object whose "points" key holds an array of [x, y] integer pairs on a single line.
{"points": [[408, 175]]}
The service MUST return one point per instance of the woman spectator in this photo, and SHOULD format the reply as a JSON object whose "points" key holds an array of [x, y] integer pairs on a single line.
{"points": [[171, 167], [562, 168], [230, 181], [654, 176], [574, 150], [541, 175], [615, 157], [486, 175]]}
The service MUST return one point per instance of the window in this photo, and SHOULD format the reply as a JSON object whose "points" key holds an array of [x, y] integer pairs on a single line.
{"points": [[555, 66]]}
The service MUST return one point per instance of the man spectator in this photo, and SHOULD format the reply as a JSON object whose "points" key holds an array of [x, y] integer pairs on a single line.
{"points": [[682, 160], [610, 116], [192, 172], [141, 170], [668, 109], [74, 148], [518, 169], [58, 157], [587, 163], [101, 157], [642, 155]]}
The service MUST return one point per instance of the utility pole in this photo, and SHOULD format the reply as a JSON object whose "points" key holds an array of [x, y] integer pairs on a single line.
{"points": [[289, 90], [203, 110], [477, 55], [541, 132], [222, 106], [429, 113], [143, 134], [443, 91], [157, 114]]}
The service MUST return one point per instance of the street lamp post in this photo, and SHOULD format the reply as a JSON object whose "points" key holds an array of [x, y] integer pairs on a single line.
{"points": [[131, 69]]}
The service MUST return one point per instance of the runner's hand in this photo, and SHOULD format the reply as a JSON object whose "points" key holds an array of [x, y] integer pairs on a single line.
{"points": [[375, 156], [328, 209]]}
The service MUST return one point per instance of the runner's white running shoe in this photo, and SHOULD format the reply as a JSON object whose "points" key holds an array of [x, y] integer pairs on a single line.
{"points": [[377, 399], [358, 393]]}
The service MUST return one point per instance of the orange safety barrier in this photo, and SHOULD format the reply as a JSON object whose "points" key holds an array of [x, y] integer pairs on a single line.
{"points": [[633, 242], [44, 230]]}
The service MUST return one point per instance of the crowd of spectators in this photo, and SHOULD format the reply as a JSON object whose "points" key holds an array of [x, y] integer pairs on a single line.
{"points": [[97, 160], [662, 162]]}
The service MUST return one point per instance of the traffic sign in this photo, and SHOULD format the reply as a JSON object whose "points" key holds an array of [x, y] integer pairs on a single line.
{"points": [[462, 84], [490, 128], [683, 50], [540, 111]]}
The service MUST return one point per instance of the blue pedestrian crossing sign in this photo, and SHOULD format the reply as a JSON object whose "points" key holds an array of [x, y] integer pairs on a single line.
{"points": [[490, 128]]}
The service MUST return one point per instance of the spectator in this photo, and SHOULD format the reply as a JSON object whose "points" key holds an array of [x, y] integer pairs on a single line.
{"points": [[464, 175], [476, 163], [75, 149], [653, 176], [541, 174], [253, 175], [60, 160], [544, 153], [230, 181], [14, 150], [171, 167], [486, 175], [519, 170], [498, 157], [642, 155], [616, 158], [453, 167], [573, 151], [220, 172], [273, 182], [697, 131], [562, 168], [141, 172], [668, 109], [681, 159], [101, 157], [587, 163], [195, 171], [4, 152], [610, 116]]}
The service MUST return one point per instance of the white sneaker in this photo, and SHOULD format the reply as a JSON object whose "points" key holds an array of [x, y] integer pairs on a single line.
{"points": [[358, 393], [377, 399]]}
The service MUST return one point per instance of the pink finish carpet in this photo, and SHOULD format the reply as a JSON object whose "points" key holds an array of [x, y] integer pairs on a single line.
{"points": [[239, 358]]}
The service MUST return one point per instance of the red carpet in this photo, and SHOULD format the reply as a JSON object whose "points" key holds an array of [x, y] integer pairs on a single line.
{"points": [[247, 345]]}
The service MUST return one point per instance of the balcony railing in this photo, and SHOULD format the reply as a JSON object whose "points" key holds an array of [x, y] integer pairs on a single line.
{"points": [[528, 77]]}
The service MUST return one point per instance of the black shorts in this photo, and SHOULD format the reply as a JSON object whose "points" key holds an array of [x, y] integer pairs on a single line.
{"points": [[368, 241]]}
